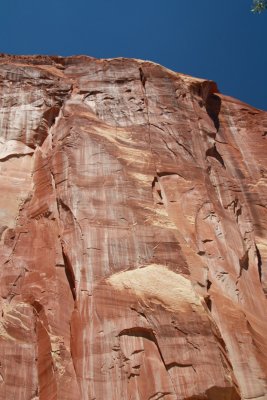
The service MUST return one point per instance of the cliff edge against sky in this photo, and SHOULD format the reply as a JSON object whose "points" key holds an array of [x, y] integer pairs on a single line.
{"points": [[133, 216]]}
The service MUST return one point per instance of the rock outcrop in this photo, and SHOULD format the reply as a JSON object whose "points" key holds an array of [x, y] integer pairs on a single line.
{"points": [[133, 216]]}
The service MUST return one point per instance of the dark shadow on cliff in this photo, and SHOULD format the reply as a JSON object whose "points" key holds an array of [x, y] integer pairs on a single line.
{"points": [[213, 108]]}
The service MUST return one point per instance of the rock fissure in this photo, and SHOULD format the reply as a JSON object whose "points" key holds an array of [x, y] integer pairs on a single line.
{"points": [[259, 264], [213, 107], [69, 273], [213, 152], [142, 77]]}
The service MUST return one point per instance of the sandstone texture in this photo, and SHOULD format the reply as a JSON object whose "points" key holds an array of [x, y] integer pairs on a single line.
{"points": [[133, 216]]}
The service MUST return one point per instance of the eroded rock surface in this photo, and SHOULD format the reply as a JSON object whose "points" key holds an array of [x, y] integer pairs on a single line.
{"points": [[133, 216]]}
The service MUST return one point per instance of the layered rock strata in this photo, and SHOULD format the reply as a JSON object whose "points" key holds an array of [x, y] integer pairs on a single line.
{"points": [[133, 216]]}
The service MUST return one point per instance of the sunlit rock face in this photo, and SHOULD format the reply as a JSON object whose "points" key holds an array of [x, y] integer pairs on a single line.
{"points": [[133, 216]]}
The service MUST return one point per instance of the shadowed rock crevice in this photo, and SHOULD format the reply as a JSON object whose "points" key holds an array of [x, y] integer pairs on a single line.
{"points": [[213, 152], [259, 262], [178, 365], [69, 273], [142, 77], [222, 393], [48, 120], [213, 107], [157, 193], [244, 262], [207, 298], [146, 333], [166, 173]]}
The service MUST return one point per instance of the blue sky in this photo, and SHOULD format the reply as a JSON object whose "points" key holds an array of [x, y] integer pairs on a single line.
{"points": [[215, 39]]}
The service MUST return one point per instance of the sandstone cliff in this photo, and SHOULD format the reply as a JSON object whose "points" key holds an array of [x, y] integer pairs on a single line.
{"points": [[133, 216]]}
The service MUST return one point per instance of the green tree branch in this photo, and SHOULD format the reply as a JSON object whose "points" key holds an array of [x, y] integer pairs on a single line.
{"points": [[259, 6]]}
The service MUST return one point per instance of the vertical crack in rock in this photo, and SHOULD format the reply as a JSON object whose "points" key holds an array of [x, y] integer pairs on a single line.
{"points": [[143, 80], [258, 254], [213, 152], [213, 107], [243, 264], [142, 77], [207, 92], [73, 335], [67, 263], [68, 210], [49, 119], [69, 273]]}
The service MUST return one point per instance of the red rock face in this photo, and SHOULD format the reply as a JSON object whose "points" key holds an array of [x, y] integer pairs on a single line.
{"points": [[133, 216]]}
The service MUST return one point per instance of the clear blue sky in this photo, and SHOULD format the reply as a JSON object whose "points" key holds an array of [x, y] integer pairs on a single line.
{"points": [[215, 39]]}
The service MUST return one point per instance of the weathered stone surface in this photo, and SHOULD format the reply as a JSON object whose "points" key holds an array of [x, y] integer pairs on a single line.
{"points": [[133, 216]]}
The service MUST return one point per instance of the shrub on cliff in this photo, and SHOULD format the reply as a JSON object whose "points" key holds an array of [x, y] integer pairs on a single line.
{"points": [[259, 6]]}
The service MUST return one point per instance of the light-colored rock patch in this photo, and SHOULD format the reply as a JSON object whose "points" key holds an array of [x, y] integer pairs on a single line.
{"points": [[157, 284]]}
